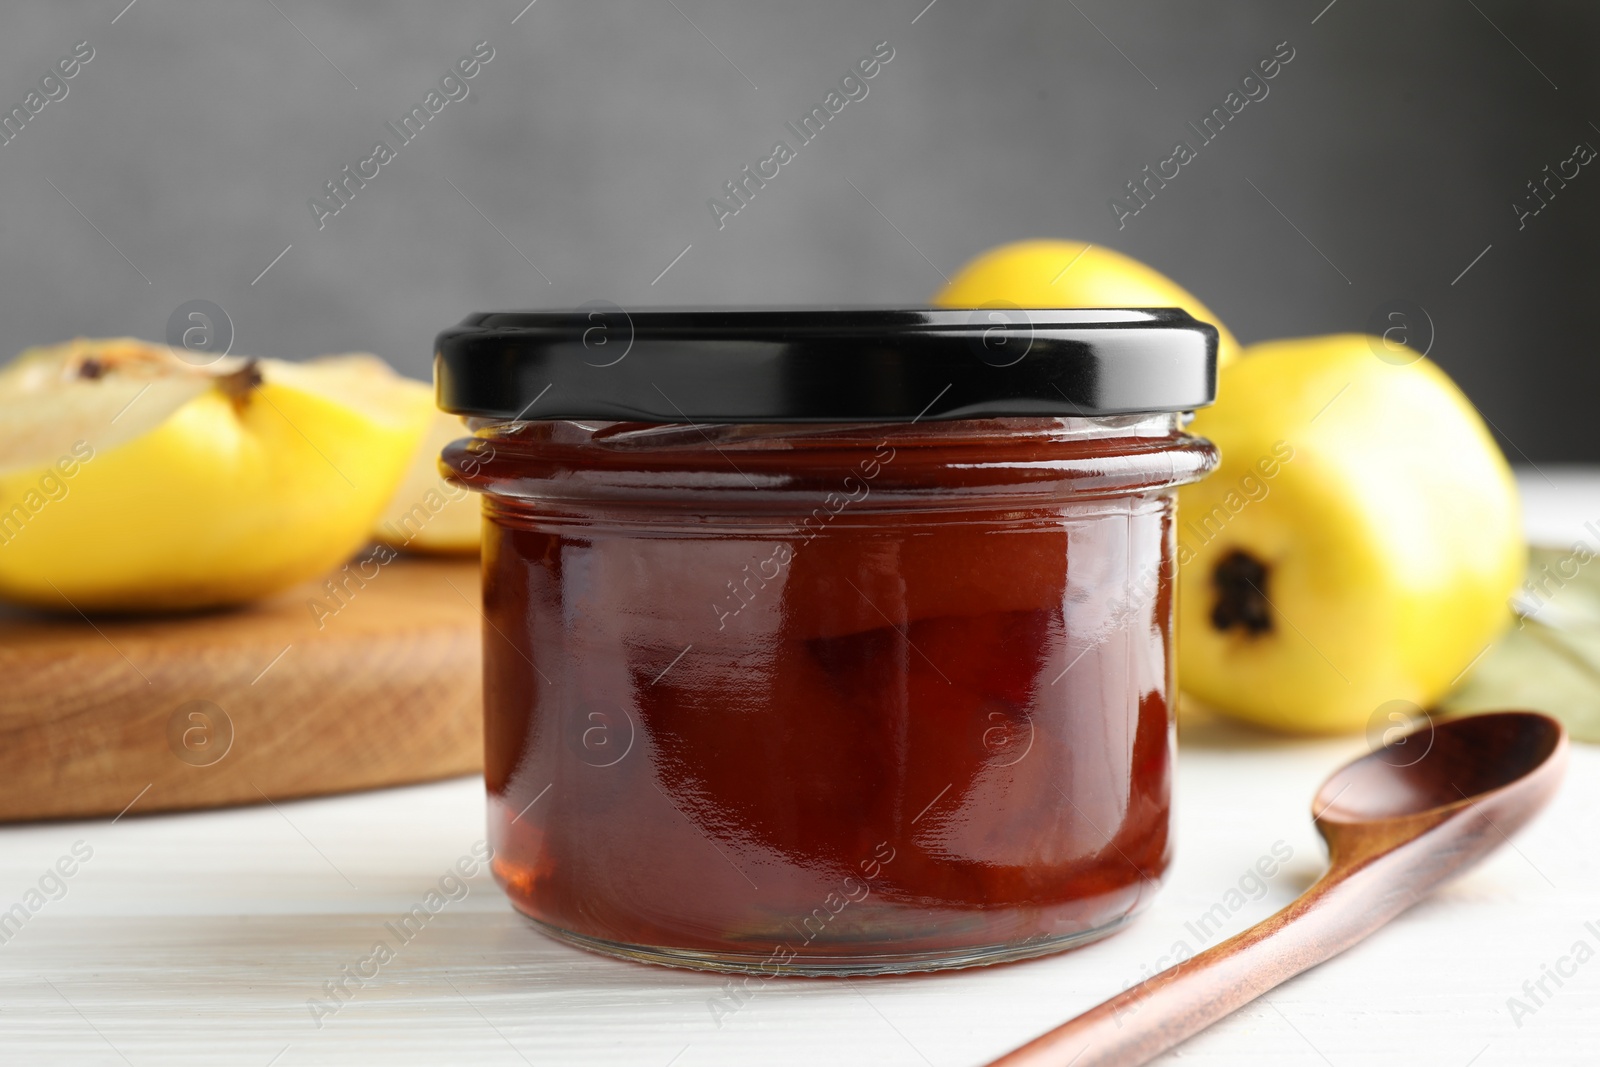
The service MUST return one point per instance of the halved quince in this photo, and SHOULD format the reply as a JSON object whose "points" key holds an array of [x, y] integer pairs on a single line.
{"points": [[131, 480]]}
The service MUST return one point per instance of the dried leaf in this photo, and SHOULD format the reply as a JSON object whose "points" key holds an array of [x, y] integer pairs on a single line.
{"points": [[1550, 660]]}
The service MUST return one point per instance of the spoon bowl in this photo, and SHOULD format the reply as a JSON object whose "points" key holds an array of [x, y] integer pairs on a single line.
{"points": [[1462, 761], [1398, 822]]}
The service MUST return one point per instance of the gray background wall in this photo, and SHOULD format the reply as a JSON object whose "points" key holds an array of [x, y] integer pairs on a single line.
{"points": [[1395, 141]]}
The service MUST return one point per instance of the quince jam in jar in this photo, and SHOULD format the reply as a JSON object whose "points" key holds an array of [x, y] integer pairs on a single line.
{"points": [[828, 642]]}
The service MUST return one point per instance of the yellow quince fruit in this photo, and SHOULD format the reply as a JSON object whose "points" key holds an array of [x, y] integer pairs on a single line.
{"points": [[1359, 543], [1072, 274], [132, 480], [428, 514]]}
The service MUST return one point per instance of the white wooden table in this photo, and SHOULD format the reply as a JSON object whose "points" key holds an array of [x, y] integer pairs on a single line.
{"points": [[200, 939]]}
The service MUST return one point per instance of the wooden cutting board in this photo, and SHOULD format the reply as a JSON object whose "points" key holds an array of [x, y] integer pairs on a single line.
{"points": [[277, 700]]}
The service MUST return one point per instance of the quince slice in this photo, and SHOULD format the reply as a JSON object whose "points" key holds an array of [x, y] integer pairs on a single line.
{"points": [[428, 514], [131, 480]]}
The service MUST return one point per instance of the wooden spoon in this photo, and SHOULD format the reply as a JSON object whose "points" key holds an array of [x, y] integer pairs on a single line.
{"points": [[1398, 822]]}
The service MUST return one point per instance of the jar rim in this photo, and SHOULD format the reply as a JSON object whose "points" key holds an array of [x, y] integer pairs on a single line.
{"points": [[757, 365]]}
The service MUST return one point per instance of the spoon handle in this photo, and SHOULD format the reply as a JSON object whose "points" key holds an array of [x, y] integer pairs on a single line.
{"points": [[1147, 1019]]}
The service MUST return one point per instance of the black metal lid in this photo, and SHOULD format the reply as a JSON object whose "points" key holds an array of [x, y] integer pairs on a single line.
{"points": [[823, 365]]}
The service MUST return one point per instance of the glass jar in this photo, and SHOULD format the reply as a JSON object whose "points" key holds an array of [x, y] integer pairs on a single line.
{"points": [[828, 642]]}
